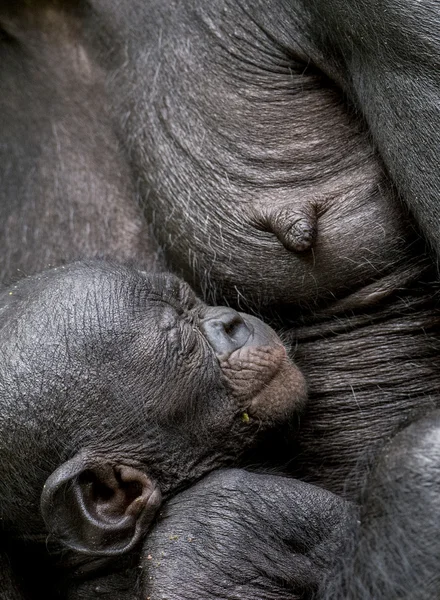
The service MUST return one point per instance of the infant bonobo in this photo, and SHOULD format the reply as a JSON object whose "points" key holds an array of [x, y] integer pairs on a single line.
{"points": [[119, 387]]}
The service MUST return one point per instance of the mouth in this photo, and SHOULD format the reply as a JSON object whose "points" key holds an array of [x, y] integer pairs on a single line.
{"points": [[263, 380], [266, 384]]}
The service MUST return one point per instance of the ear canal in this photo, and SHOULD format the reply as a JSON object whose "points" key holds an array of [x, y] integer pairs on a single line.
{"points": [[97, 508]]}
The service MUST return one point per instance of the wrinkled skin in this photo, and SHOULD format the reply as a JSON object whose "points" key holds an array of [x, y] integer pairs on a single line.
{"points": [[304, 529], [279, 179], [236, 535], [251, 536], [113, 394], [240, 535], [235, 141]]}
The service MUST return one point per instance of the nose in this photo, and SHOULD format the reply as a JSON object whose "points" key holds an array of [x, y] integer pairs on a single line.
{"points": [[225, 329]]}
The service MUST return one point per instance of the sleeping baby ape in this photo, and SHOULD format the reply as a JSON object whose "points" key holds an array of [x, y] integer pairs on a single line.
{"points": [[118, 387]]}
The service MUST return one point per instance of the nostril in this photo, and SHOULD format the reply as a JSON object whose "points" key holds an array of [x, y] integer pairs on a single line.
{"points": [[233, 326], [225, 329]]}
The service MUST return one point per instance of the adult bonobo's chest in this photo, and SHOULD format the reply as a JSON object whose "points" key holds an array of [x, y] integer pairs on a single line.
{"points": [[261, 184]]}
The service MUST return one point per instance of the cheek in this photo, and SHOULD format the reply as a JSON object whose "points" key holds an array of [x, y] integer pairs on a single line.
{"points": [[191, 385]]}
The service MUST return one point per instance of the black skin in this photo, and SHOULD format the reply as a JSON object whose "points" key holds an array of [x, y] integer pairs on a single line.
{"points": [[250, 535], [236, 535], [280, 178], [234, 118], [119, 388], [241, 535], [386, 57], [237, 171]]}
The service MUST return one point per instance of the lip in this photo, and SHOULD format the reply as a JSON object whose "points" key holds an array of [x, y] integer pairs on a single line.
{"points": [[265, 383]]}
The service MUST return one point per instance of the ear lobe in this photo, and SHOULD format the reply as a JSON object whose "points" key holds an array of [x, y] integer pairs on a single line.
{"points": [[97, 508]]}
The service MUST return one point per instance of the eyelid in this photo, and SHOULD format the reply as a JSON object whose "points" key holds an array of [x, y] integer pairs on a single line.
{"points": [[188, 339], [168, 320], [184, 306]]}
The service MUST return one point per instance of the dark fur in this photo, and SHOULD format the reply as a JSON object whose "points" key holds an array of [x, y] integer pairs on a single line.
{"points": [[280, 161], [370, 372], [67, 190], [234, 129], [225, 185], [386, 58], [400, 507], [238, 535]]}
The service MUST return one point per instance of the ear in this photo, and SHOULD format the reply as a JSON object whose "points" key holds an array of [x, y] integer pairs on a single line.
{"points": [[98, 508]]}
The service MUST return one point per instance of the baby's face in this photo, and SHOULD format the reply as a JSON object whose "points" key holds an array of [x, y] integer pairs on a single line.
{"points": [[136, 364]]}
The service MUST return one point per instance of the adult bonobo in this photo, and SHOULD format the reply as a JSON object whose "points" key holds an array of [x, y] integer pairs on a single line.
{"points": [[245, 160], [260, 186], [117, 387], [251, 159], [264, 188]]}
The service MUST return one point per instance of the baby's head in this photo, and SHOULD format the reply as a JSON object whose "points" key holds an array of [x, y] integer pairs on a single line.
{"points": [[118, 387]]}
